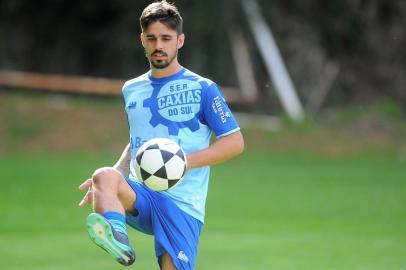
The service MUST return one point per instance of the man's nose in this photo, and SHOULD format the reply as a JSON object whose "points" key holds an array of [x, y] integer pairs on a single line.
{"points": [[159, 45]]}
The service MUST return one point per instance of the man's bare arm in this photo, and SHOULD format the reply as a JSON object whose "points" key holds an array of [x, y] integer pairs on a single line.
{"points": [[221, 150], [123, 163]]}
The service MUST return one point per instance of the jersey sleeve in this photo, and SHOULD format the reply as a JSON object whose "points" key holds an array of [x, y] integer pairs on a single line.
{"points": [[216, 114]]}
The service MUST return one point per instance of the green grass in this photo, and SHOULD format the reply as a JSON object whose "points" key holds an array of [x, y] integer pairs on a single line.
{"points": [[265, 211]]}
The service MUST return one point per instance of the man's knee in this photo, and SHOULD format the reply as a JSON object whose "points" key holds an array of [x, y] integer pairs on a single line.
{"points": [[106, 176]]}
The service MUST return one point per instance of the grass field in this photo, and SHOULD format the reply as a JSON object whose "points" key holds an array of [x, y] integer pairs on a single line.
{"points": [[265, 211], [325, 197]]}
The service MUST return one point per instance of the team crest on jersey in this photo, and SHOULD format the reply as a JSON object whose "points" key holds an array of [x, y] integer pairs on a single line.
{"points": [[175, 105]]}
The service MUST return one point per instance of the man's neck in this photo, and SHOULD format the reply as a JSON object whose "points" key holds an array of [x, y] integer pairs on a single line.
{"points": [[165, 72]]}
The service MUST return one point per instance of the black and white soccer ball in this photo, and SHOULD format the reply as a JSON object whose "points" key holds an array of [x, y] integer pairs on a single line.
{"points": [[160, 164]]}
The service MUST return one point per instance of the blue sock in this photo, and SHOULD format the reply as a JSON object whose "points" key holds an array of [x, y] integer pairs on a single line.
{"points": [[117, 220]]}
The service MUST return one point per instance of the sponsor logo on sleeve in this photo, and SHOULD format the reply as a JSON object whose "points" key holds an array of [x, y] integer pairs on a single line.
{"points": [[218, 109]]}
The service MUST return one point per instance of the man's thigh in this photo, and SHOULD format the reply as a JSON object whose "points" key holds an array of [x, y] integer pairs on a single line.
{"points": [[167, 263], [126, 195]]}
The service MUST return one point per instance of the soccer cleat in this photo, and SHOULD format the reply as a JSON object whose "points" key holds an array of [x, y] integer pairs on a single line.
{"points": [[105, 236]]}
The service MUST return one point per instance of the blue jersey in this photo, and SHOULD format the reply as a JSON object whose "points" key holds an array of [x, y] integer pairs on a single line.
{"points": [[186, 108]]}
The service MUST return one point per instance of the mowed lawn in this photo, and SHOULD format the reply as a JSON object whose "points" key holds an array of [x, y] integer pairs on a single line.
{"points": [[265, 211]]}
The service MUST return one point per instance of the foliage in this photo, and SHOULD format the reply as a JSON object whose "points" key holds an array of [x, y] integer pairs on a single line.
{"points": [[365, 39]]}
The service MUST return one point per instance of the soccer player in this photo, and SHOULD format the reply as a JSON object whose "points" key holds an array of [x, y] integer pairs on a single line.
{"points": [[173, 102]]}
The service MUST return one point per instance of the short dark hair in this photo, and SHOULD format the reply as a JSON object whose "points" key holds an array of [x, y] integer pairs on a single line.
{"points": [[163, 12]]}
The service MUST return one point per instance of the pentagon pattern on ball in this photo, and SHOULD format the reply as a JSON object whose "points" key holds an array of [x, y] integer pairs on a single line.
{"points": [[153, 146], [166, 156], [180, 154]]}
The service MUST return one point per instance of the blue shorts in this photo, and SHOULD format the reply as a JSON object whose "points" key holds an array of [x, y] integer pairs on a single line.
{"points": [[175, 232]]}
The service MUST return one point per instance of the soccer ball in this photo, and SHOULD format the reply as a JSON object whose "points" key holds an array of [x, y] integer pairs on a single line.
{"points": [[160, 164]]}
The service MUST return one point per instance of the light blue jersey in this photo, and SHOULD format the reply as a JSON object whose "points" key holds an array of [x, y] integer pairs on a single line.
{"points": [[186, 108]]}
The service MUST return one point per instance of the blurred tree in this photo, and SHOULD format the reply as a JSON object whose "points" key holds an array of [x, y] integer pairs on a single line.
{"points": [[365, 38]]}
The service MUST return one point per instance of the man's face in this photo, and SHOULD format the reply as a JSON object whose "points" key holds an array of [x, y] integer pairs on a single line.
{"points": [[161, 44]]}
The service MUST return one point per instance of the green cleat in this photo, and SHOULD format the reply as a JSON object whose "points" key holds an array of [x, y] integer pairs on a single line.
{"points": [[105, 236]]}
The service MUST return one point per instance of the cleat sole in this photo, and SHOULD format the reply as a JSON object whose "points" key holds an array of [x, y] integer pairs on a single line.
{"points": [[101, 234]]}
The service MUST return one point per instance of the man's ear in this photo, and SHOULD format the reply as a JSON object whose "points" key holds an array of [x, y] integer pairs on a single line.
{"points": [[181, 40], [142, 38]]}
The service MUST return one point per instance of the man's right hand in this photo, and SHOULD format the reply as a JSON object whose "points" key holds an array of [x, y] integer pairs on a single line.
{"points": [[88, 198]]}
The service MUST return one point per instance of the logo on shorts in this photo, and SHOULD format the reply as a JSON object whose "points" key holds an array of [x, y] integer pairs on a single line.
{"points": [[182, 256]]}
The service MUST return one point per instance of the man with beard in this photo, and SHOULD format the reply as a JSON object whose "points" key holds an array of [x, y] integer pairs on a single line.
{"points": [[172, 102]]}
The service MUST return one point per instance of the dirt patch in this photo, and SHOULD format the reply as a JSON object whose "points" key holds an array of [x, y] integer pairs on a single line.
{"points": [[61, 123], [49, 122]]}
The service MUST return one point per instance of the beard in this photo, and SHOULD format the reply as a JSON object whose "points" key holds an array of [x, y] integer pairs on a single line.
{"points": [[161, 64]]}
